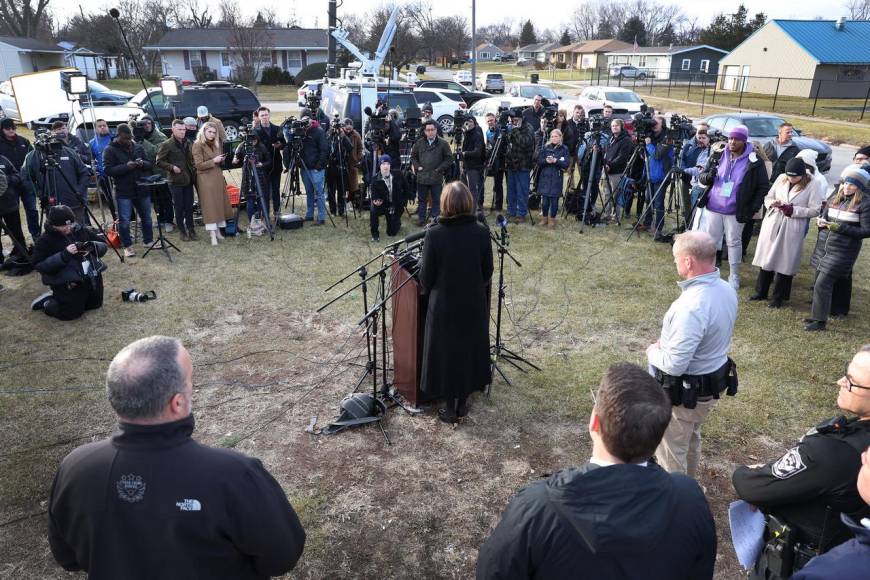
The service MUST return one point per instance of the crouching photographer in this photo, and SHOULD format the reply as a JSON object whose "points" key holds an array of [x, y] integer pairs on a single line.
{"points": [[68, 257]]}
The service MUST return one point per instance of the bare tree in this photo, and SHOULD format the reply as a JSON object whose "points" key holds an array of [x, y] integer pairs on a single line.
{"points": [[250, 44], [22, 18], [191, 15], [858, 9]]}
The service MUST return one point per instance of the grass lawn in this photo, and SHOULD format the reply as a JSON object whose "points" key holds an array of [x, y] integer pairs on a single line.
{"points": [[265, 363]]}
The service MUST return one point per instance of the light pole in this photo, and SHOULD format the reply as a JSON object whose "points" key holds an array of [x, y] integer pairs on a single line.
{"points": [[473, 43]]}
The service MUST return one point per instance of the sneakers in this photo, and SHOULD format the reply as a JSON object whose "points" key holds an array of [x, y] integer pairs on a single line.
{"points": [[40, 301], [129, 252]]}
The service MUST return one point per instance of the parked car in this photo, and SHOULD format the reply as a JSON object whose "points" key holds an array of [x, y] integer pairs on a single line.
{"points": [[525, 62], [344, 99], [233, 104], [81, 123], [8, 106], [622, 100], [627, 71], [463, 77], [490, 82], [457, 61], [307, 86], [103, 95], [528, 91], [508, 56], [470, 97], [483, 107], [444, 103], [763, 128]]}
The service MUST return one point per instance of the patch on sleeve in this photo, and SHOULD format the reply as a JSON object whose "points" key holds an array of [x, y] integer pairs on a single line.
{"points": [[789, 464]]}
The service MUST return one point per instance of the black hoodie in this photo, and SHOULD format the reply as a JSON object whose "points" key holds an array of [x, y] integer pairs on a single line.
{"points": [[621, 521]]}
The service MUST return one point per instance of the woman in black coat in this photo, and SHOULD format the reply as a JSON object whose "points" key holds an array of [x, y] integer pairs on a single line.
{"points": [[842, 227], [552, 162], [455, 271]]}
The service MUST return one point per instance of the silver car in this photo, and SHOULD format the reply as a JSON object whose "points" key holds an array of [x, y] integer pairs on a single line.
{"points": [[490, 82], [8, 106]]}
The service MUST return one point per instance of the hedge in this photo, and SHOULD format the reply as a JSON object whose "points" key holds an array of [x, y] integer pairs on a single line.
{"points": [[313, 71]]}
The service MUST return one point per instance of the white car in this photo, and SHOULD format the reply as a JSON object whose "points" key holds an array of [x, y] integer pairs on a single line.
{"points": [[463, 77], [490, 82], [82, 122], [8, 106], [483, 107], [527, 92], [444, 103], [622, 100]]}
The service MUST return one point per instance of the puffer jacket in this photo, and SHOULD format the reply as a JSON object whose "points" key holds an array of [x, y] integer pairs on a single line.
{"points": [[836, 251], [58, 266], [431, 162]]}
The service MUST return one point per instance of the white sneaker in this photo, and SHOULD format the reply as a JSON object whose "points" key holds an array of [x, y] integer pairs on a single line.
{"points": [[129, 252], [734, 280], [39, 303]]}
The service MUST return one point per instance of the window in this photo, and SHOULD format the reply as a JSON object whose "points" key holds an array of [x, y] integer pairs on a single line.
{"points": [[642, 61], [225, 59], [687, 64], [717, 123], [730, 124], [186, 56], [294, 59], [705, 66], [484, 55]]}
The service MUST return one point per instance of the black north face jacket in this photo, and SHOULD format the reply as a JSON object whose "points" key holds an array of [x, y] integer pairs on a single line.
{"points": [[153, 503]]}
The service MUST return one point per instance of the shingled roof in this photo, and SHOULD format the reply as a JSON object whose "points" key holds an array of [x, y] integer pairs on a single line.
{"points": [[222, 38]]}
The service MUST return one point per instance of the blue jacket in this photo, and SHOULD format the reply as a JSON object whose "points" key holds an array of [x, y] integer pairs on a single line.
{"points": [[690, 153], [661, 158], [584, 153], [848, 561], [97, 145], [550, 176]]}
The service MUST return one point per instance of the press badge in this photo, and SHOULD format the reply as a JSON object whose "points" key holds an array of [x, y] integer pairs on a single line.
{"points": [[727, 189]]}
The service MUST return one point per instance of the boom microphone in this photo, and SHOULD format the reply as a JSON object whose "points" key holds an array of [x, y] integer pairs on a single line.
{"points": [[415, 236], [114, 13], [368, 111]]}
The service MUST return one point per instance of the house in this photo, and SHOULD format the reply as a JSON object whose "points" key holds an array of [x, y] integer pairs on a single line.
{"points": [[538, 52], [19, 55], [96, 66], [587, 54], [682, 63], [827, 58], [183, 52], [486, 51]]}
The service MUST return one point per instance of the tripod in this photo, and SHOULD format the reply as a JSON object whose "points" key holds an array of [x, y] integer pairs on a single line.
{"points": [[595, 140], [252, 176], [499, 350], [291, 184], [337, 163], [669, 185], [159, 243]]}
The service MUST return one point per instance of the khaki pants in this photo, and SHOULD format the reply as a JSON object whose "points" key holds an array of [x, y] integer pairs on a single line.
{"points": [[680, 449]]}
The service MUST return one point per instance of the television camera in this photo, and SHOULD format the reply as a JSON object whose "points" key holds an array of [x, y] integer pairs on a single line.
{"points": [[680, 128]]}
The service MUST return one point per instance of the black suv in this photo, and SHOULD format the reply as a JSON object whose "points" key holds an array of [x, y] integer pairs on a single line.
{"points": [[232, 104]]}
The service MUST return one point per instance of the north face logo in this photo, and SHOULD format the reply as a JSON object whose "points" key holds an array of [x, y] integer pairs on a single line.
{"points": [[189, 505]]}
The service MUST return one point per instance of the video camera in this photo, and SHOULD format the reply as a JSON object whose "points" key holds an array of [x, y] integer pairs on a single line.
{"points": [[377, 120], [596, 123], [136, 127], [644, 122], [47, 142], [460, 116], [314, 98], [294, 129], [503, 117], [680, 128]]}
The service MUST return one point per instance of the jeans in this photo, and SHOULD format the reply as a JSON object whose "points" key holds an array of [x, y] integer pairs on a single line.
{"points": [[549, 206], [125, 210], [423, 192], [518, 193], [274, 190], [182, 200], [313, 180], [658, 207], [28, 200], [472, 180]]}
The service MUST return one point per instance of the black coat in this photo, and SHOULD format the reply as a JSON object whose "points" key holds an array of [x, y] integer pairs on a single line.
{"points": [[71, 177], [779, 161], [115, 159], [473, 149], [315, 150], [15, 150], [455, 270], [571, 136], [153, 503], [9, 198], [550, 174], [638, 522], [268, 136], [401, 192], [835, 252], [533, 118], [618, 152], [58, 266], [751, 192]]}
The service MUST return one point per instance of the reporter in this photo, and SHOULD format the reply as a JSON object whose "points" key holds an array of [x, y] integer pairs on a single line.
{"points": [[210, 184], [125, 161], [175, 158]]}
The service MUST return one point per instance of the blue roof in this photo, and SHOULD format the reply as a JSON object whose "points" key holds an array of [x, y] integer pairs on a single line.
{"points": [[826, 44]]}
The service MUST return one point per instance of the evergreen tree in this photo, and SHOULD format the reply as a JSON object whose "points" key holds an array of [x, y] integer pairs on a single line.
{"points": [[565, 40], [527, 35], [726, 32], [633, 31]]}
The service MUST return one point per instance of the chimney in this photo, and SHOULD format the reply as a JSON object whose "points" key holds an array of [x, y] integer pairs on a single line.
{"points": [[840, 22]]}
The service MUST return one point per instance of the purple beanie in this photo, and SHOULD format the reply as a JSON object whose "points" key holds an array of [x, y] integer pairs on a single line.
{"points": [[740, 132]]}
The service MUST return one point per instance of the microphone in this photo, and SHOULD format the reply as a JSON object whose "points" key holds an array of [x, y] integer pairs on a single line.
{"points": [[368, 111], [415, 236], [114, 13]]}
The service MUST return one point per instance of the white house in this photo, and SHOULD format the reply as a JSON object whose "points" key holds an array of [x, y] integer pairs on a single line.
{"points": [[184, 51], [95, 65], [539, 52], [19, 55]]}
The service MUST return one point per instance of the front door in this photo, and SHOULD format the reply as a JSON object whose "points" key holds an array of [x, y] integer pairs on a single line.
{"points": [[226, 68]]}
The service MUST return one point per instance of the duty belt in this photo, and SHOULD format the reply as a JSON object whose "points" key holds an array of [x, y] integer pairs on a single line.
{"points": [[687, 390]]}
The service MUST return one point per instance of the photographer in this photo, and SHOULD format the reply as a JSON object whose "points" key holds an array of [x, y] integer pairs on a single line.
{"points": [[272, 137], [68, 257], [552, 161], [495, 165], [337, 174], [389, 194], [616, 156], [70, 176], [660, 153], [125, 161], [263, 166], [575, 128], [592, 144], [431, 158], [175, 158], [315, 155], [473, 156], [394, 136], [15, 148], [519, 160]]}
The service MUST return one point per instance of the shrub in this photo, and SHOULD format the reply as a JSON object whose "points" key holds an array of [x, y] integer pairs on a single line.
{"points": [[313, 71], [539, 65], [561, 65], [203, 74], [274, 75]]}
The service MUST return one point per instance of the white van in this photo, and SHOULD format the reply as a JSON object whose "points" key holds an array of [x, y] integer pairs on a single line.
{"points": [[463, 77]]}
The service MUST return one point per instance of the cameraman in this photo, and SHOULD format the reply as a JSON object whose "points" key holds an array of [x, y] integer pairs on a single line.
{"points": [[660, 153], [592, 144], [263, 166], [340, 149], [431, 158], [61, 131], [473, 154], [15, 148], [495, 165], [701, 156], [389, 193], [151, 138], [70, 176], [394, 136], [315, 155], [616, 157], [272, 137], [68, 257], [519, 159], [98, 145], [125, 161], [575, 128]]}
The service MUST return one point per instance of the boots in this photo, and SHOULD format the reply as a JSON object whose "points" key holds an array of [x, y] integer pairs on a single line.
{"points": [[545, 220], [214, 237], [218, 234], [552, 223]]}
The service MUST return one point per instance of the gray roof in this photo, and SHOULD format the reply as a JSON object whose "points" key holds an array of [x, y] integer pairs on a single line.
{"points": [[221, 38], [30, 44], [665, 49], [539, 47]]}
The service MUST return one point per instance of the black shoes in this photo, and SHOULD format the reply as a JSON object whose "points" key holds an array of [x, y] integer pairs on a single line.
{"points": [[815, 326], [462, 408], [447, 417], [775, 303], [376, 239], [758, 296]]}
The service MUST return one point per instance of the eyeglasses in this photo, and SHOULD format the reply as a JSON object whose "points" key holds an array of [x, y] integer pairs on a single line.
{"points": [[849, 382]]}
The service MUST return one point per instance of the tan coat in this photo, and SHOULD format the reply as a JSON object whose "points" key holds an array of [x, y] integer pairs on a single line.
{"points": [[356, 156], [210, 184], [781, 241]]}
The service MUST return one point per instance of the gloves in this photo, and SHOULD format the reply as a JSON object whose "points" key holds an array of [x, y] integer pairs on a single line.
{"points": [[833, 227], [787, 209]]}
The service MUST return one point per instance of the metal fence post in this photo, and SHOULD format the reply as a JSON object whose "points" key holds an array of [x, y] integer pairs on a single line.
{"points": [[816, 100], [715, 86], [689, 90], [669, 85], [775, 94], [703, 93], [742, 87], [864, 108]]}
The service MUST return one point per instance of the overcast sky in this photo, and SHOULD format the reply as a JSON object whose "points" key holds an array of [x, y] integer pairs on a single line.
{"points": [[313, 12]]}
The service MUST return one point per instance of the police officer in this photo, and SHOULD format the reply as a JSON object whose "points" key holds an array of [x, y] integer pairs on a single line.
{"points": [[690, 359], [814, 482]]}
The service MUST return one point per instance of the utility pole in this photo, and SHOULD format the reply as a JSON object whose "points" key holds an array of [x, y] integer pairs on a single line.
{"points": [[473, 43], [331, 25]]}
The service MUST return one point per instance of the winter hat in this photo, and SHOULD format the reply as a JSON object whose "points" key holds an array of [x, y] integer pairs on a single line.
{"points": [[740, 132], [385, 159], [348, 122], [795, 167], [61, 215], [188, 121], [427, 107], [7, 123], [856, 176], [809, 156], [865, 150], [124, 129], [202, 111]]}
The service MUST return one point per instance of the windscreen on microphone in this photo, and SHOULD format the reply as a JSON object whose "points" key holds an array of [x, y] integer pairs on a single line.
{"points": [[501, 221], [415, 236], [114, 13], [368, 111]]}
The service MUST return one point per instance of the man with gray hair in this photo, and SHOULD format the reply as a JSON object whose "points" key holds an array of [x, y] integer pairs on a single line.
{"points": [[690, 359], [150, 502]]}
